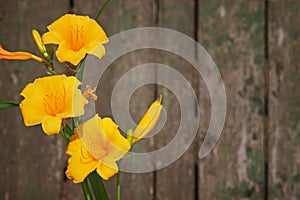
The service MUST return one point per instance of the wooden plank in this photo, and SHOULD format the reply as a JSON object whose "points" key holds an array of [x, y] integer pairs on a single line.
{"points": [[284, 99], [119, 16], [175, 181], [32, 161], [232, 32], [9, 141]]}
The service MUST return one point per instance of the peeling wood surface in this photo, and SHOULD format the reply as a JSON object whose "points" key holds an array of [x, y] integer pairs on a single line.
{"points": [[233, 34], [175, 181], [31, 162], [284, 100]]}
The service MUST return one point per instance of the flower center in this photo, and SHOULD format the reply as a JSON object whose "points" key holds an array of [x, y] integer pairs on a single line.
{"points": [[77, 38], [98, 151], [54, 103]]}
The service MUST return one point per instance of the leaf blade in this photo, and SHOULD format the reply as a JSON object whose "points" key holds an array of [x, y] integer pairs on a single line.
{"points": [[8, 104]]}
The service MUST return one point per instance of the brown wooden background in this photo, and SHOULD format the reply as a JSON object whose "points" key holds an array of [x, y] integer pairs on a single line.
{"points": [[256, 47]]}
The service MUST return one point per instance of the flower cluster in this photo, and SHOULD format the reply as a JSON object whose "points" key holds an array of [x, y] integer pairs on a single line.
{"points": [[53, 100]]}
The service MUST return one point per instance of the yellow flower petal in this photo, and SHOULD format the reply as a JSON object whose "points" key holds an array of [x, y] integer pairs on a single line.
{"points": [[95, 33], [148, 121], [99, 51], [107, 170], [117, 145], [74, 99], [74, 144], [61, 28], [78, 170], [51, 38], [65, 54], [113, 134], [17, 55], [33, 111], [90, 131], [43, 86], [28, 91], [51, 125]]}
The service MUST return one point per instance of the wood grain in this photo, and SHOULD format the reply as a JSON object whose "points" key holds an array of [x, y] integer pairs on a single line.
{"points": [[32, 162], [177, 16], [284, 99], [232, 32]]}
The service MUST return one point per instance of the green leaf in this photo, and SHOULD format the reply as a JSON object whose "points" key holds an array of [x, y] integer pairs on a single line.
{"points": [[101, 10], [76, 121], [8, 104], [86, 190], [80, 70], [98, 186], [67, 133]]}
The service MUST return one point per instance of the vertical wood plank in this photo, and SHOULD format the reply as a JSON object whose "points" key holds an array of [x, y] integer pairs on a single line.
{"points": [[176, 181], [284, 99], [120, 16], [32, 161], [232, 32], [8, 129]]}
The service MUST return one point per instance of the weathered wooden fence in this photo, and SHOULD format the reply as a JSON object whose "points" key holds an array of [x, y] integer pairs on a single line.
{"points": [[256, 47]]}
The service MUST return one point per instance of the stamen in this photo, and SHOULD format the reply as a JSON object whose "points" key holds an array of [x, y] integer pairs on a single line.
{"points": [[89, 92]]}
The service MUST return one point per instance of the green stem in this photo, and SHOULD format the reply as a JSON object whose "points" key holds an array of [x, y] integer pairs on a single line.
{"points": [[51, 72], [101, 10], [50, 68], [129, 135], [86, 190], [73, 69], [98, 186], [119, 186], [80, 69], [63, 131], [66, 132]]}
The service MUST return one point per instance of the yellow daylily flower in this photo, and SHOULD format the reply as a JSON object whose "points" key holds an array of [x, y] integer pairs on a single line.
{"points": [[76, 36], [148, 121], [99, 146], [50, 99], [20, 55]]}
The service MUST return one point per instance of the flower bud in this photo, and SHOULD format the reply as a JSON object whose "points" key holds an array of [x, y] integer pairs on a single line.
{"points": [[148, 121], [41, 47]]}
